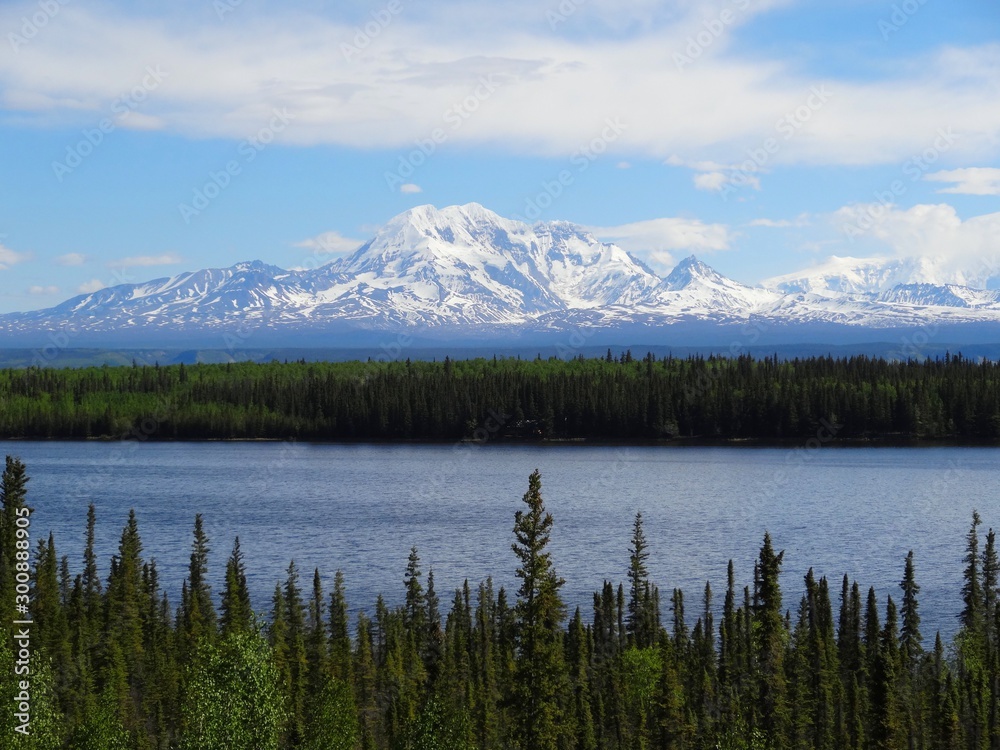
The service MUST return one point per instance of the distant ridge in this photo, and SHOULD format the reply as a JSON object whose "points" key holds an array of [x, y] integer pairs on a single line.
{"points": [[465, 275]]}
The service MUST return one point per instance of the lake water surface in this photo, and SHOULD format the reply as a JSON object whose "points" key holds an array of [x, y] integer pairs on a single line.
{"points": [[359, 508]]}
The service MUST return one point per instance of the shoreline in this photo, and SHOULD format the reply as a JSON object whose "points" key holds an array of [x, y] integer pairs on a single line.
{"points": [[810, 443]]}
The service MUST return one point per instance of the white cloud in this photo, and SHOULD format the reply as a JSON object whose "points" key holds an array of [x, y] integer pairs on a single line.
{"points": [[71, 259], [43, 290], [89, 287], [624, 165], [655, 240], [167, 259], [9, 258], [713, 181], [952, 250], [715, 177], [969, 181], [225, 81], [330, 243], [409, 187]]}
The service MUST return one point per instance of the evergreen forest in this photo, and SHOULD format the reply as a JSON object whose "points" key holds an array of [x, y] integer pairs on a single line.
{"points": [[617, 397], [116, 665]]}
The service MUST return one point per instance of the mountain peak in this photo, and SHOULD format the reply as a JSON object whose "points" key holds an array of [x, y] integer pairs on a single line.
{"points": [[691, 271], [430, 215]]}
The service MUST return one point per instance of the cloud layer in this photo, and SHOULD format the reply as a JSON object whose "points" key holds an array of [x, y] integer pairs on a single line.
{"points": [[513, 80]]}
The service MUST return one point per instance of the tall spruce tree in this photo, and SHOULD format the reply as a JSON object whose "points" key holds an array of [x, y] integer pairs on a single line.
{"points": [[972, 591], [540, 672], [640, 622], [991, 589], [771, 637], [236, 611], [434, 643], [911, 639], [416, 602], [297, 674], [317, 646], [198, 617]]}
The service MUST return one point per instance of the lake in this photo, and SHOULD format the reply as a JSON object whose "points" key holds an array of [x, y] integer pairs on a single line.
{"points": [[359, 508]]}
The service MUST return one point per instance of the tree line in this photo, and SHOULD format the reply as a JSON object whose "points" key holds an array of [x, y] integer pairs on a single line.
{"points": [[616, 397], [116, 666]]}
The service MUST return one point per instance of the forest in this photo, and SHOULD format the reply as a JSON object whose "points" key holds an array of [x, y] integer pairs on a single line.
{"points": [[617, 397], [115, 665]]}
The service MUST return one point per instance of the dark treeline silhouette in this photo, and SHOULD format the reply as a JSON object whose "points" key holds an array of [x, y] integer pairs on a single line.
{"points": [[115, 665], [616, 397]]}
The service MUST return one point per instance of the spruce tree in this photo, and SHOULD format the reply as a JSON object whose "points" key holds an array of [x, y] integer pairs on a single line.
{"points": [[972, 591], [51, 631], [639, 626], [340, 635], [416, 602], [297, 674], [91, 581], [317, 653], [124, 650], [885, 729], [236, 612], [434, 643], [873, 631], [198, 617], [770, 646], [910, 639], [991, 588], [539, 612], [578, 662], [364, 681]]}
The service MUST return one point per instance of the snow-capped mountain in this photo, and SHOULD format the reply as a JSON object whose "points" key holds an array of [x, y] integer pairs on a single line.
{"points": [[873, 275], [463, 272], [466, 264], [692, 287]]}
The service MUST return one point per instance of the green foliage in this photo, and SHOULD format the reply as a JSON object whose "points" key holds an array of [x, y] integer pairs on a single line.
{"points": [[619, 397], [232, 701], [334, 721], [101, 729], [640, 670]]}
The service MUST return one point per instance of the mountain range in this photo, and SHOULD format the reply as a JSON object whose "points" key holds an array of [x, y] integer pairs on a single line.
{"points": [[465, 275]]}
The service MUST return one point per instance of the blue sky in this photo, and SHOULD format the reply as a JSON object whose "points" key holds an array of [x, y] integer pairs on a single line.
{"points": [[765, 136]]}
